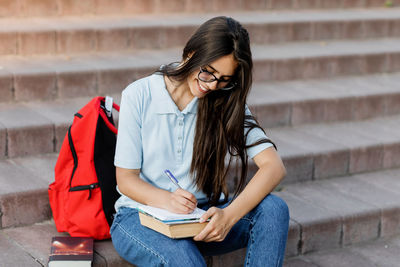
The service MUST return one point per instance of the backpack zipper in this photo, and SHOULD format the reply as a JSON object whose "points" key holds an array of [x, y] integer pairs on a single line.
{"points": [[74, 155], [89, 187]]}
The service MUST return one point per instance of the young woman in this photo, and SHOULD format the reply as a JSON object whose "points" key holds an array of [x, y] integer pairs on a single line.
{"points": [[191, 117]]}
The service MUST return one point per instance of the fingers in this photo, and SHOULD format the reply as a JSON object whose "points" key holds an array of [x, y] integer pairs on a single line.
{"points": [[187, 206], [217, 228], [203, 234], [209, 233], [214, 236], [177, 207], [183, 201], [210, 212], [186, 194]]}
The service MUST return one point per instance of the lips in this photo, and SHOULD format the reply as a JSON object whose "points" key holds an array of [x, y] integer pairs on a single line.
{"points": [[201, 88]]}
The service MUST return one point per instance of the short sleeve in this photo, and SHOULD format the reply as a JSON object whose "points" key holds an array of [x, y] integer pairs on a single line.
{"points": [[253, 136], [128, 152]]}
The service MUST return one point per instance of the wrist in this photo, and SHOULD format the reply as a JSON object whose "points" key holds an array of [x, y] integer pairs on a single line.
{"points": [[232, 214], [162, 200]]}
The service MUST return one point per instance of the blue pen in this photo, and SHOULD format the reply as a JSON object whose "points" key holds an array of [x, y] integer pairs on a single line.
{"points": [[172, 178]]}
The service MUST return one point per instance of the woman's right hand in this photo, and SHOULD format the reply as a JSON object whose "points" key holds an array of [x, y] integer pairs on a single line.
{"points": [[181, 201]]}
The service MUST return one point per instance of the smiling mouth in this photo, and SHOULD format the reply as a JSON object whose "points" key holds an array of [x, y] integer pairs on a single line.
{"points": [[201, 88]]}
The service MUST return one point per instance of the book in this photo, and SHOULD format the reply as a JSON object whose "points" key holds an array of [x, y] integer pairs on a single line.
{"points": [[170, 217], [173, 225], [71, 251]]}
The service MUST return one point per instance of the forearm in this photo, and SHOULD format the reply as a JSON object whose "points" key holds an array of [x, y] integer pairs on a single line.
{"points": [[268, 176], [263, 182], [131, 185]]}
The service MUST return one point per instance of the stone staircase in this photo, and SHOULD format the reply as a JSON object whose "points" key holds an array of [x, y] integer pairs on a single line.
{"points": [[327, 91]]}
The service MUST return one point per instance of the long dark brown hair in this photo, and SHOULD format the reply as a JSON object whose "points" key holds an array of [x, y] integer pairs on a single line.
{"points": [[222, 126]]}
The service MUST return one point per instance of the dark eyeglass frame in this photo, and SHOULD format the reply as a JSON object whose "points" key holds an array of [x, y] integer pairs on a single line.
{"points": [[231, 83]]}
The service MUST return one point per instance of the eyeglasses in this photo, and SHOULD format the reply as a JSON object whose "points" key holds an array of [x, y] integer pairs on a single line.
{"points": [[208, 77]]}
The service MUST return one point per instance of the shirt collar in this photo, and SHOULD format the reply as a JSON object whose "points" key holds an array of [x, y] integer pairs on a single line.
{"points": [[163, 103]]}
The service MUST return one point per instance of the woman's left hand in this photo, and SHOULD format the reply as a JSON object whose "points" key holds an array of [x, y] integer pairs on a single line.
{"points": [[217, 228]]}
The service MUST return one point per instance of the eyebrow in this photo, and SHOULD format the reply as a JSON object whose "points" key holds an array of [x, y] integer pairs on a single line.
{"points": [[229, 76]]}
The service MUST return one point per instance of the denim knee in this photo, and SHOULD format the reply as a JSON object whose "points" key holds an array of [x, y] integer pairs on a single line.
{"points": [[144, 247], [274, 209], [268, 235]]}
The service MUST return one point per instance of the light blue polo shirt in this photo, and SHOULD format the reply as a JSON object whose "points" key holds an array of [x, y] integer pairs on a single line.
{"points": [[154, 135]]}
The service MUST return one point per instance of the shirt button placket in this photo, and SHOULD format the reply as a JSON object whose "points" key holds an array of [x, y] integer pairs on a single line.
{"points": [[180, 137]]}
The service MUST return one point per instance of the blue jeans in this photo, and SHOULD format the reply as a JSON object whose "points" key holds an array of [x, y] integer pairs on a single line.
{"points": [[263, 231]]}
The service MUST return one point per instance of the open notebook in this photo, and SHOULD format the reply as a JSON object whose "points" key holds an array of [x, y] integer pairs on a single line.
{"points": [[170, 217]]}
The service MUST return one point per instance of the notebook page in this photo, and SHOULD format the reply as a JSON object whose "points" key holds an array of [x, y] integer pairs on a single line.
{"points": [[165, 215]]}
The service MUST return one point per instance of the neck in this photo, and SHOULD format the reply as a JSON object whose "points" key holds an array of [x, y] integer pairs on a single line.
{"points": [[179, 92]]}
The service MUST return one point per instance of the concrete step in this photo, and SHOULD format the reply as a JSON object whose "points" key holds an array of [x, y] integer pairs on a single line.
{"points": [[309, 152], [29, 128], [23, 193], [320, 151], [48, 8], [314, 152], [37, 127], [71, 35], [293, 103], [21, 247], [382, 253], [341, 212], [330, 214], [53, 77]]}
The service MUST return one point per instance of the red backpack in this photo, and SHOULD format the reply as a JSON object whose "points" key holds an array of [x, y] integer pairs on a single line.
{"points": [[83, 194]]}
